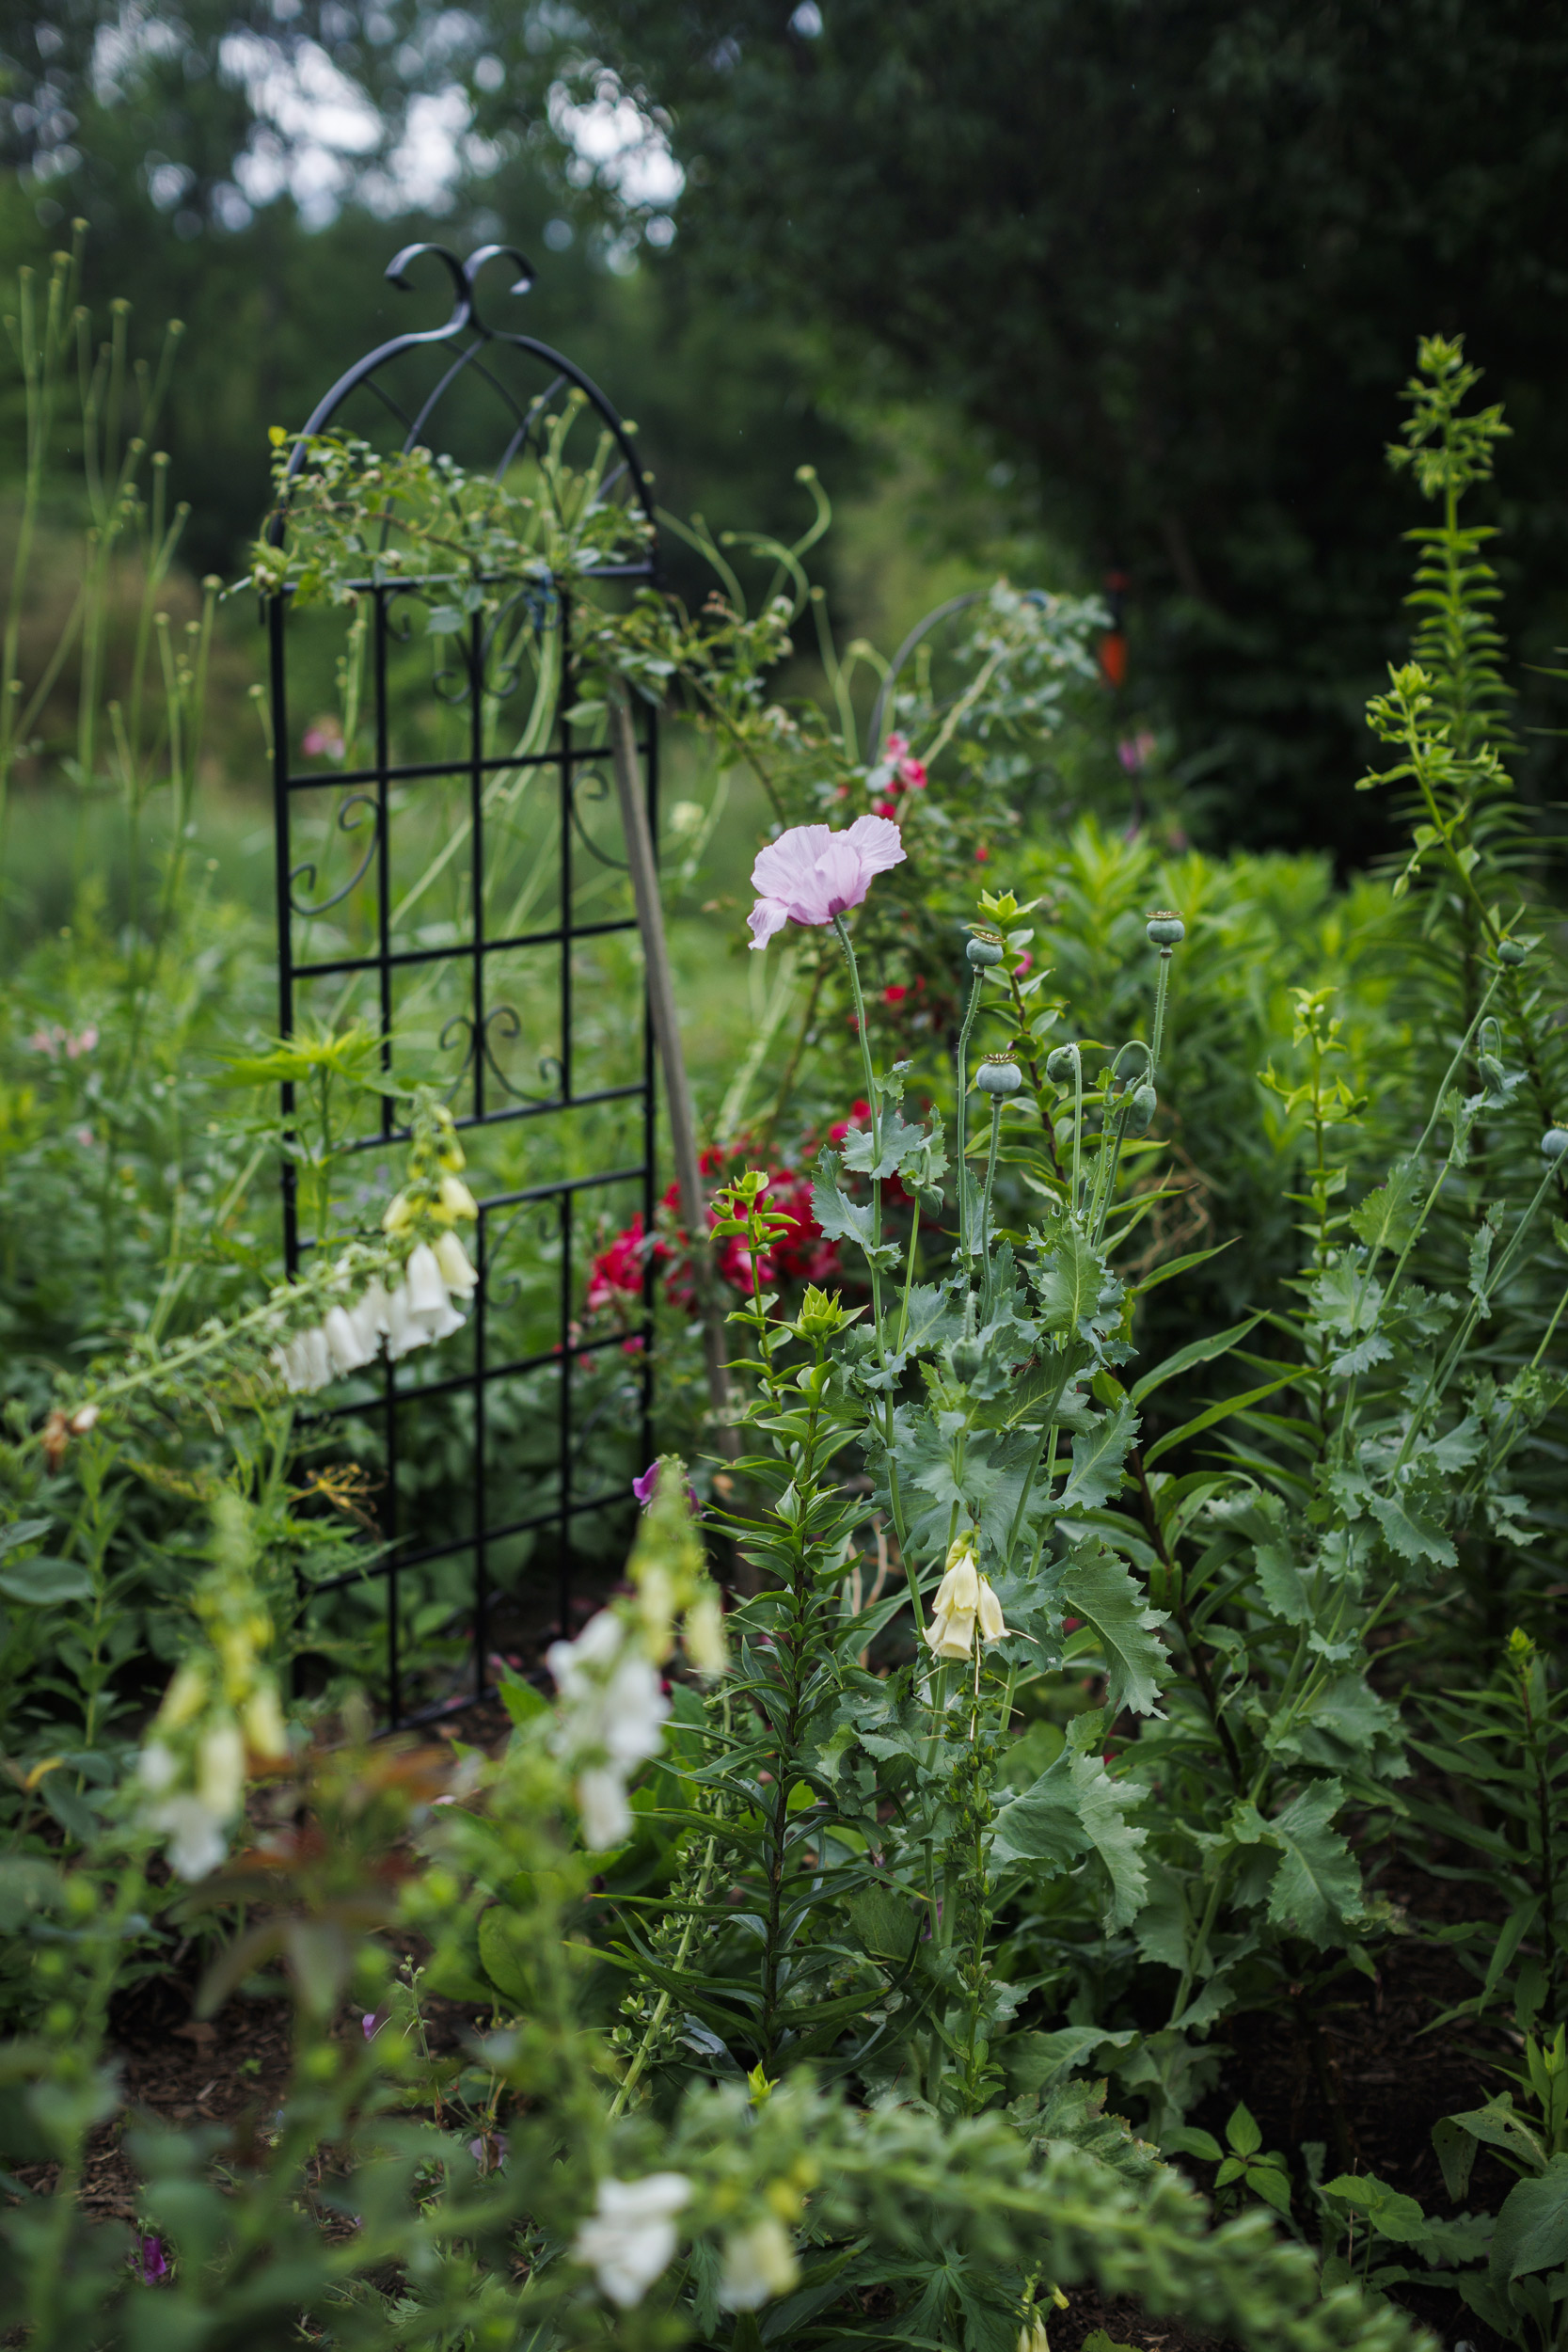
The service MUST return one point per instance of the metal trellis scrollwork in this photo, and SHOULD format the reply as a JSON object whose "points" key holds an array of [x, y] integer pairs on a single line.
{"points": [[450, 874]]}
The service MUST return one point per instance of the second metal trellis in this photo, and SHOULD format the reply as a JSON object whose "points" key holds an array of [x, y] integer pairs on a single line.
{"points": [[481, 924]]}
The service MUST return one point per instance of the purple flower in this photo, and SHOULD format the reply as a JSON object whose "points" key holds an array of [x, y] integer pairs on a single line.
{"points": [[810, 874], [151, 2267], [644, 1487], [373, 2021]]}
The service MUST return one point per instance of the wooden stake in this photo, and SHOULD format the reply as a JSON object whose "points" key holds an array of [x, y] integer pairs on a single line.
{"points": [[678, 1091]]}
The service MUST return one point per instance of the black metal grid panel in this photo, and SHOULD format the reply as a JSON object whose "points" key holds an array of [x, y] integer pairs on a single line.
{"points": [[409, 381]]}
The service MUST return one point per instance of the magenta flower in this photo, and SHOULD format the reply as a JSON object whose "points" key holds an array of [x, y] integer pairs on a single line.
{"points": [[810, 874], [644, 1487], [153, 2266]]}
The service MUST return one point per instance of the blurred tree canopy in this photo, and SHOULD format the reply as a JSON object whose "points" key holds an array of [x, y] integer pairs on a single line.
{"points": [[1168, 259], [1174, 256], [250, 170]]}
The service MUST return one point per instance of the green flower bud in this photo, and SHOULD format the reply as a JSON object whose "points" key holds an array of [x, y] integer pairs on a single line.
{"points": [[1554, 1143], [966, 1356], [1511, 951], [1491, 1070], [1059, 1065], [1163, 929], [1141, 1110], [999, 1074], [984, 947]]}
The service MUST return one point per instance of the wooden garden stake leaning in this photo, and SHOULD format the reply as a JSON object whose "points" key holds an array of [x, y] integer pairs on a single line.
{"points": [[661, 999]]}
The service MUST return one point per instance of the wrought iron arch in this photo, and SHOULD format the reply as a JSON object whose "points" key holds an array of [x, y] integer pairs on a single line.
{"points": [[494, 1454]]}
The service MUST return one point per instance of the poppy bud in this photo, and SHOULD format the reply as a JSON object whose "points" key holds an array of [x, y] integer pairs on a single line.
{"points": [[1059, 1065], [1491, 1070], [985, 949], [1164, 929], [1141, 1109], [999, 1074], [966, 1356], [1554, 1143], [1511, 951]]}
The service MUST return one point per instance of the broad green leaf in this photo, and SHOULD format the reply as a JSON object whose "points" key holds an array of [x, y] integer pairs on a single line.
{"points": [[1098, 1456], [884, 1922], [1386, 1218], [1317, 1885], [502, 1949], [1196, 1352], [1411, 1534], [1075, 1807], [22, 1532], [1496, 2125], [1100, 1587], [1533, 2227], [42, 1582], [1392, 2214], [1279, 1583], [1072, 1280], [76, 1813], [1243, 2132], [1456, 2153], [1035, 2060]]}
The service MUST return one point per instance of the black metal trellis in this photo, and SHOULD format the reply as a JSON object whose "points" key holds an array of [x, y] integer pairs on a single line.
{"points": [[462, 1550]]}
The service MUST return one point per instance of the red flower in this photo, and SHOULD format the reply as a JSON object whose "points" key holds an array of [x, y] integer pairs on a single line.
{"points": [[884, 808], [911, 774], [616, 1273], [893, 995], [982, 856]]}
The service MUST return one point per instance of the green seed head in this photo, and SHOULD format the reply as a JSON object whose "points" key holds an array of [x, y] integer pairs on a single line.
{"points": [[999, 1074], [1554, 1143], [984, 947], [1163, 929], [1511, 951]]}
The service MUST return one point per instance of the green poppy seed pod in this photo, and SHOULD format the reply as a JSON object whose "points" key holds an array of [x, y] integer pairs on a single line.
{"points": [[1511, 951], [966, 1357], [1141, 1110], [1491, 1069], [1554, 1143], [1163, 929], [1058, 1065], [999, 1074], [985, 949]]}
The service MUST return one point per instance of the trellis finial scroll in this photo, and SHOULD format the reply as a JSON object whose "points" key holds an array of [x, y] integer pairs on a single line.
{"points": [[485, 936]]}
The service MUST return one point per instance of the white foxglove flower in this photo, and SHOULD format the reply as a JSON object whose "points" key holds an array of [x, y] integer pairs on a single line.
{"points": [[427, 1292], [611, 1720], [157, 1767], [606, 1814], [345, 1343], [405, 1329], [441, 1326], [197, 1843], [759, 2263], [456, 1200], [220, 1770], [456, 1268], [315, 1365], [630, 2236], [369, 1317]]}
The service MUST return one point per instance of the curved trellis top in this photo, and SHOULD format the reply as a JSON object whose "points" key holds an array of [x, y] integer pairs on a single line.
{"points": [[452, 881], [462, 395]]}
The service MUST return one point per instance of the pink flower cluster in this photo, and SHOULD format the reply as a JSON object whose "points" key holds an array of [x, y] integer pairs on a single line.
{"points": [[54, 1041], [898, 772]]}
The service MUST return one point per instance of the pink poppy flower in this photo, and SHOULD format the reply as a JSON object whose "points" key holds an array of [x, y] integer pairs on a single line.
{"points": [[810, 874]]}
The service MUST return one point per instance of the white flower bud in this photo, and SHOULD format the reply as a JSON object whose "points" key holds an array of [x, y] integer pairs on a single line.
{"points": [[759, 2263], [220, 1770], [263, 1717], [427, 1292], [156, 1767], [196, 1840], [457, 1269]]}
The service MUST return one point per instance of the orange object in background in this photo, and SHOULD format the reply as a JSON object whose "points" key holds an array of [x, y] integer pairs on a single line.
{"points": [[1113, 658]]}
